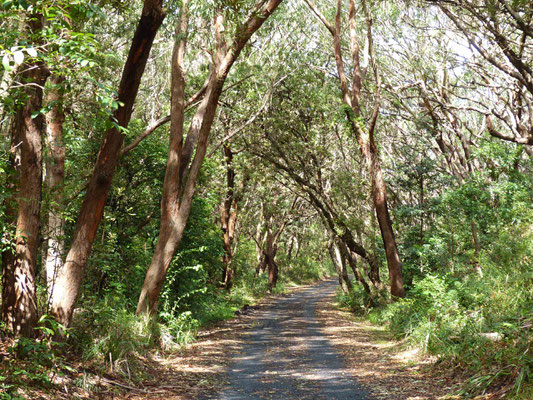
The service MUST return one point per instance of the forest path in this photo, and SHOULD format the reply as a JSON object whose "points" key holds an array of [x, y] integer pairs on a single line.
{"points": [[286, 355], [298, 345]]}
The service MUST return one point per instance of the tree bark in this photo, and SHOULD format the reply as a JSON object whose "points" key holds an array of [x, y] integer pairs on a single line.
{"points": [[273, 271], [179, 187], [55, 176], [352, 261], [228, 218], [379, 197], [19, 305], [340, 266], [68, 282], [260, 259], [270, 251]]}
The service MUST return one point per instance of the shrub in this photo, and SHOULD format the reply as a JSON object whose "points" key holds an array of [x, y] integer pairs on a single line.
{"points": [[482, 325], [111, 337]]}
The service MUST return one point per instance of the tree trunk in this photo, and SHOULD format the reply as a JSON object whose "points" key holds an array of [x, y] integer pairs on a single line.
{"points": [[365, 135], [340, 267], [273, 271], [68, 282], [421, 202], [174, 214], [290, 247], [379, 197], [352, 261], [372, 271], [55, 176], [228, 218], [260, 259], [180, 177], [270, 250], [19, 306]]}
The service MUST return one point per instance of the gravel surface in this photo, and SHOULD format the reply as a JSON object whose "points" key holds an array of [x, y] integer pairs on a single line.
{"points": [[286, 356]]}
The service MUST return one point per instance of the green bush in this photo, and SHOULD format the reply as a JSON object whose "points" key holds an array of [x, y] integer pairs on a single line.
{"points": [[112, 337], [482, 325], [357, 301], [32, 362]]}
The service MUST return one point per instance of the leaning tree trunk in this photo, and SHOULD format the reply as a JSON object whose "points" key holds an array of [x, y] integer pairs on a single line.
{"points": [[352, 261], [175, 209], [365, 134], [185, 161], [68, 281], [379, 198], [19, 301], [55, 176], [371, 269]]}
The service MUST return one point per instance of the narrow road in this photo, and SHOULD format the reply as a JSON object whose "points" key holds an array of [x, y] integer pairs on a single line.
{"points": [[285, 356]]}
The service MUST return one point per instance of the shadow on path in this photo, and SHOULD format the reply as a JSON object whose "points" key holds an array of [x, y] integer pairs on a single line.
{"points": [[286, 356]]}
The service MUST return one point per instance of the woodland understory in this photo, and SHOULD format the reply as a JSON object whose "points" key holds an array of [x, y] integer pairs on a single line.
{"points": [[166, 164]]}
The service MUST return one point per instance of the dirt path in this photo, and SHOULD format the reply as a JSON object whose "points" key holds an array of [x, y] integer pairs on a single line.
{"points": [[294, 346], [287, 356], [386, 368]]}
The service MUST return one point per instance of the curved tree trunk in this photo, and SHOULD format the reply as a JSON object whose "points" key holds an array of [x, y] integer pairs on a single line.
{"points": [[185, 160], [365, 134], [371, 269], [352, 261]]}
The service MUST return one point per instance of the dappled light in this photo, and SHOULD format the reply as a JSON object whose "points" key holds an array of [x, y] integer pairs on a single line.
{"points": [[266, 199]]}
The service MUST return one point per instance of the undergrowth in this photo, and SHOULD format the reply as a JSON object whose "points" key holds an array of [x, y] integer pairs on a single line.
{"points": [[480, 326], [33, 362]]}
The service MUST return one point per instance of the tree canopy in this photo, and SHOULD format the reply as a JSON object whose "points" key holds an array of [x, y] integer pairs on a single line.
{"points": [[171, 161]]}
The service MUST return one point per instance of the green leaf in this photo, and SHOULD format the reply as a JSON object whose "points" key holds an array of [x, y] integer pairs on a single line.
{"points": [[5, 62]]}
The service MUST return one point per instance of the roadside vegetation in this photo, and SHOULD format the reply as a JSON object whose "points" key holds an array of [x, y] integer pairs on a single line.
{"points": [[165, 165]]}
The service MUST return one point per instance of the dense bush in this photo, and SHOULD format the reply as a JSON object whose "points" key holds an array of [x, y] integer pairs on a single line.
{"points": [[479, 324], [472, 307]]}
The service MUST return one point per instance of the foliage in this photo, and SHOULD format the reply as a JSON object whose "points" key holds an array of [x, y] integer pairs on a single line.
{"points": [[32, 361], [110, 338], [480, 323]]}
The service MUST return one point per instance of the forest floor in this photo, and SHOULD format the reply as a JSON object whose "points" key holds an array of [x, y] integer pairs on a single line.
{"points": [[298, 345]]}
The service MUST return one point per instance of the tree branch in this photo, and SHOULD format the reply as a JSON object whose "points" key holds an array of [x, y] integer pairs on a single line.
{"points": [[499, 135], [320, 16]]}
